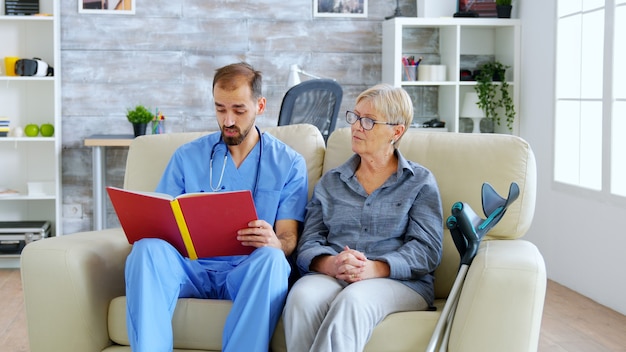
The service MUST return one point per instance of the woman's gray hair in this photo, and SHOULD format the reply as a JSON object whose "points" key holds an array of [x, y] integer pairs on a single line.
{"points": [[394, 103]]}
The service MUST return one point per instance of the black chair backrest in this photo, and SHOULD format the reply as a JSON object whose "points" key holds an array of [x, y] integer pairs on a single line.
{"points": [[316, 101]]}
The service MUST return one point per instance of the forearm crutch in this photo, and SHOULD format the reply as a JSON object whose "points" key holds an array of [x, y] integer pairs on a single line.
{"points": [[467, 230]]}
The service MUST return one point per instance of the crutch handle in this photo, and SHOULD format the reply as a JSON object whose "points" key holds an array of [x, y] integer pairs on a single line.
{"points": [[467, 222]]}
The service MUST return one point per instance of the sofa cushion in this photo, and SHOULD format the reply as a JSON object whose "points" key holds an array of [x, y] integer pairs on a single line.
{"points": [[148, 155], [307, 140], [476, 158], [192, 330]]}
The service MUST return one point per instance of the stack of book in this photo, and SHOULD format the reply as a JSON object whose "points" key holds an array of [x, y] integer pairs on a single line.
{"points": [[21, 7], [4, 126]]}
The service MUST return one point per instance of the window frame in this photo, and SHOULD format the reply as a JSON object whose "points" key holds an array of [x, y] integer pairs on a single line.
{"points": [[607, 99]]}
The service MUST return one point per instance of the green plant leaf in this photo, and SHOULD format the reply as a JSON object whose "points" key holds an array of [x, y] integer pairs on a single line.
{"points": [[140, 114], [490, 98]]}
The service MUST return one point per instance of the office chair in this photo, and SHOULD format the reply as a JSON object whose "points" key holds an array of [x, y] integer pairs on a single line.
{"points": [[315, 101]]}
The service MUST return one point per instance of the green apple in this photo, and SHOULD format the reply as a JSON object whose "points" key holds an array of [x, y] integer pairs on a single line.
{"points": [[47, 130], [31, 130]]}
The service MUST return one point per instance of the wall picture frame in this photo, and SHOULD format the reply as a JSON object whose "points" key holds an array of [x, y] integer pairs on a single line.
{"points": [[484, 8], [340, 8], [107, 7]]}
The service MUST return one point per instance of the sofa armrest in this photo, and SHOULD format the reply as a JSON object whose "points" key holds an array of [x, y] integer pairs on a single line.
{"points": [[501, 302], [68, 282]]}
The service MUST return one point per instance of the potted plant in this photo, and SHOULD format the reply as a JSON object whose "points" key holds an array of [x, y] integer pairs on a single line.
{"points": [[503, 8], [140, 116], [489, 77]]}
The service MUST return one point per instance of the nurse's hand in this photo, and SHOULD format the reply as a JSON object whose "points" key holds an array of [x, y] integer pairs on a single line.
{"points": [[259, 234]]}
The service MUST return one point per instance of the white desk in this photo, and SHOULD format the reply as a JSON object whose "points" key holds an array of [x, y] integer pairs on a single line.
{"points": [[98, 144]]}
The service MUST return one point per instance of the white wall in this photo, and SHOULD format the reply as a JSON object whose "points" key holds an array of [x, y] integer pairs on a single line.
{"points": [[581, 238]]}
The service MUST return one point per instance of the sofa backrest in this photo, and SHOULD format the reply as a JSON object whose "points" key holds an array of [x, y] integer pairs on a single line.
{"points": [[148, 155], [461, 163]]}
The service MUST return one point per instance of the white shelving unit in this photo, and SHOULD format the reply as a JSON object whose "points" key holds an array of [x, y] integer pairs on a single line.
{"points": [[459, 40], [36, 100]]}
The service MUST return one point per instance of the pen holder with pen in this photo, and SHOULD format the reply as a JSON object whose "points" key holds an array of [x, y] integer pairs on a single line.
{"points": [[409, 68], [158, 123], [409, 73], [158, 126]]}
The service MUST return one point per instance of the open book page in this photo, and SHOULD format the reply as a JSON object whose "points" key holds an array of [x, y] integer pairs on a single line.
{"points": [[204, 194], [169, 197], [149, 194]]}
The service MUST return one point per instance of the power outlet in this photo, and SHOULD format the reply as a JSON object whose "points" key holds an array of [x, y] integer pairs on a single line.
{"points": [[72, 211]]}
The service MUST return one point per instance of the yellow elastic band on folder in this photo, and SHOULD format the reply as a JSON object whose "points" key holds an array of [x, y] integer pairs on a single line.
{"points": [[184, 231]]}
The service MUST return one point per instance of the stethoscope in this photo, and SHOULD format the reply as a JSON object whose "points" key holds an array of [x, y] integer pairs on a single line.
{"points": [[219, 182]]}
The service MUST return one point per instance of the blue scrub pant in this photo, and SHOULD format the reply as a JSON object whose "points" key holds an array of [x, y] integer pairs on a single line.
{"points": [[157, 275]]}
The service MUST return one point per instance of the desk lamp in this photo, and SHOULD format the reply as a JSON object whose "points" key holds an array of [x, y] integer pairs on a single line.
{"points": [[470, 109], [294, 75]]}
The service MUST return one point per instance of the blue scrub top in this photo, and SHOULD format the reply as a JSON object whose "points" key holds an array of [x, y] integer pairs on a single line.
{"points": [[274, 172]]}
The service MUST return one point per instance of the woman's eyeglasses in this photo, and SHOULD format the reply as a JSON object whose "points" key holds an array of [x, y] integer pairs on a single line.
{"points": [[366, 122]]}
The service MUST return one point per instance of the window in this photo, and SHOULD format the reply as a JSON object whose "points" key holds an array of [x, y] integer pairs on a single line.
{"points": [[590, 116], [618, 121]]}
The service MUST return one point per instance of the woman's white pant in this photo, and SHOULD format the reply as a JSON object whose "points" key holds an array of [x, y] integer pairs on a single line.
{"points": [[326, 314]]}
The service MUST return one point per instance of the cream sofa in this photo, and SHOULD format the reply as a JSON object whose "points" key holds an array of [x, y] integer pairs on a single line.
{"points": [[74, 284]]}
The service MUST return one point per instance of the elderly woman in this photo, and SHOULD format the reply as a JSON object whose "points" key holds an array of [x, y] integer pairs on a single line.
{"points": [[372, 235]]}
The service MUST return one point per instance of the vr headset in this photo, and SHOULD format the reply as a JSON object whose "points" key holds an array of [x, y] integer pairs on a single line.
{"points": [[34, 67]]}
